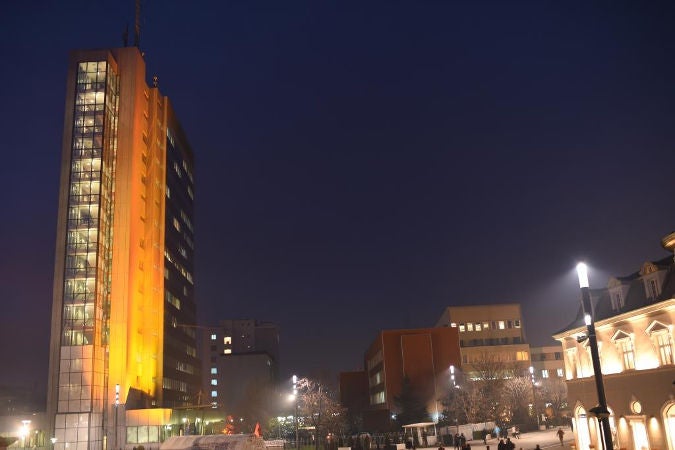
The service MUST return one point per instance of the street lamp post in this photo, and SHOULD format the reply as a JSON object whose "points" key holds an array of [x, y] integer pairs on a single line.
{"points": [[601, 410], [534, 397], [295, 394]]}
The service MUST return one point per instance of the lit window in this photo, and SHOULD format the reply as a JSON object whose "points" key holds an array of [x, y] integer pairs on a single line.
{"points": [[227, 351], [453, 325], [624, 344], [213, 337], [486, 325], [462, 329], [176, 224], [521, 356], [214, 371], [544, 373], [214, 394], [560, 372], [478, 326], [662, 340], [377, 399], [516, 323], [214, 382], [469, 326], [509, 324], [502, 325], [227, 340]]}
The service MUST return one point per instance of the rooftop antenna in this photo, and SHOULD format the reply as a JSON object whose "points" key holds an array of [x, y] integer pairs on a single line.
{"points": [[125, 36], [137, 28]]}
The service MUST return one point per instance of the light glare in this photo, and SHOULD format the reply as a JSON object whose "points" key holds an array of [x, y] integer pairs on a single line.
{"points": [[582, 272]]}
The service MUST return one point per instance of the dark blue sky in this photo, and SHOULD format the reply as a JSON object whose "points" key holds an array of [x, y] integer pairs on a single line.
{"points": [[362, 165]]}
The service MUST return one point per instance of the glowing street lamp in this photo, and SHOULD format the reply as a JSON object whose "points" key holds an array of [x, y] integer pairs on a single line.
{"points": [[600, 411], [23, 431]]}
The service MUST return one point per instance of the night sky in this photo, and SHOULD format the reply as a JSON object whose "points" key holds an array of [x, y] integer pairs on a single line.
{"points": [[362, 165]]}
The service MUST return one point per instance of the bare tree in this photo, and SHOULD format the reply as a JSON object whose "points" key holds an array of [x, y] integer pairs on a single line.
{"points": [[554, 392], [517, 395], [318, 409]]}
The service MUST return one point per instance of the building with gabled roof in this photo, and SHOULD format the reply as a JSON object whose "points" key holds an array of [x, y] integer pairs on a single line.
{"points": [[634, 318]]}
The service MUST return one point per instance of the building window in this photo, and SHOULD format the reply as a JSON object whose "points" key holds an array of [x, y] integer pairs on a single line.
{"points": [[469, 326], [521, 356], [214, 371], [516, 323], [478, 326], [377, 399], [214, 394], [462, 328], [665, 346], [486, 325], [227, 351], [453, 325], [213, 337], [560, 372], [544, 373], [617, 301], [502, 325], [557, 355], [653, 291], [214, 382], [624, 344], [227, 340]]}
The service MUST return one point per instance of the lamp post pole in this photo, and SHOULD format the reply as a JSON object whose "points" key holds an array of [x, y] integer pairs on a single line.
{"points": [[601, 410], [295, 394], [534, 397]]}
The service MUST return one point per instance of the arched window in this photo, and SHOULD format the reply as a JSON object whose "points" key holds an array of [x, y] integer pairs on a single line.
{"points": [[669, 423], [583, 433]]}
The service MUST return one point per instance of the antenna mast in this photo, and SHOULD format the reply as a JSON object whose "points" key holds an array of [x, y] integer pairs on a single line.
{"points": [[137, 28]]}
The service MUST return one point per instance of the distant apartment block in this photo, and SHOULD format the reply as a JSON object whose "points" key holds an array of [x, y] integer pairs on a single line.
{"points": [[488, 332], [548, 362], [240, 357]]}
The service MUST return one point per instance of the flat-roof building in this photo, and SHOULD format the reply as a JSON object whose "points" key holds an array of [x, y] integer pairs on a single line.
{"points": [[122, 336]]}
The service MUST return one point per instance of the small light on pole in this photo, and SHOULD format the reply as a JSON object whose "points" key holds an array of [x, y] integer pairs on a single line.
{"points": [[295, 397], [600, 411]]}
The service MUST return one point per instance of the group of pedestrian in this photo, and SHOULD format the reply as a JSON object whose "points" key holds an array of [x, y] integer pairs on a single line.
{"points": [[506, 445], [460, 442]]}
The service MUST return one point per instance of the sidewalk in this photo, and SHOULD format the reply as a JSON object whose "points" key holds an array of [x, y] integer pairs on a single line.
{"points": [[528, 441]]}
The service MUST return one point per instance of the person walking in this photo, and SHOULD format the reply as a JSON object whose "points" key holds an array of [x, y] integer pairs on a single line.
{"points": [[560, 434], [456, 439], [501, 445]]}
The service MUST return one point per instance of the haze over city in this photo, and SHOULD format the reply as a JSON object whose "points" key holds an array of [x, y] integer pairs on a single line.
{"points": [[360, 167]]}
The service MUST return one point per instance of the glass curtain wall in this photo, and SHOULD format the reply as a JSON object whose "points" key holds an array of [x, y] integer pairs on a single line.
{"points": [[82, 370]]}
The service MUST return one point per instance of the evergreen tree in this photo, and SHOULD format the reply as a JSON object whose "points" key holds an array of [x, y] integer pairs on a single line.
{"points": [[411, 405]]}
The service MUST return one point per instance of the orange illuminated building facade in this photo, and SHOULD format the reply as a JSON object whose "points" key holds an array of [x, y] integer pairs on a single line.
{"points": [[424, 356], [122, 349]]}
